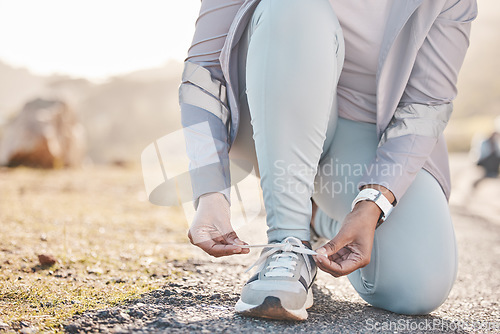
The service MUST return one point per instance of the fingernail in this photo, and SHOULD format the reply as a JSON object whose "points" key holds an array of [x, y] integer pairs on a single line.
{"points": [[237, 250], [238, 241], [321, 251]]}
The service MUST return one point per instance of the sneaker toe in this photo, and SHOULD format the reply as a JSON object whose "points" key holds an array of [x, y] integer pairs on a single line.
{"points": [[292, 294]]}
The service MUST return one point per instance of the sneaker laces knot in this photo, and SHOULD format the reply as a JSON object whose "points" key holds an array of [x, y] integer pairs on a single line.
{"points": [[284, 257]]}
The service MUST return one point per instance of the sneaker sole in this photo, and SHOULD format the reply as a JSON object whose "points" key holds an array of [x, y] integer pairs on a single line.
{"points": [[271, 308]]}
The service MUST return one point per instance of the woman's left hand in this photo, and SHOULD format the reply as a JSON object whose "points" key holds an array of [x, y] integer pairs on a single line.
{"points": [[352, 246]]}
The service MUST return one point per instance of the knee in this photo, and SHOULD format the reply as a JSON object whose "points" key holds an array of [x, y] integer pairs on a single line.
{"points": [[411, 298]]}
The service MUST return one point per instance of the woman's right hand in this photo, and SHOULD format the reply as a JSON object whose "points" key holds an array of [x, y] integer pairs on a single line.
{"points": [[211, 229]]}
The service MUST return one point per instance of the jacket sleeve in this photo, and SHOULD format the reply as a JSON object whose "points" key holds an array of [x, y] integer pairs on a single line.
{"points": [[205, 114], [426, 104]]}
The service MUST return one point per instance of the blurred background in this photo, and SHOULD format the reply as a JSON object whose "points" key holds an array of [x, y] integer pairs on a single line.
{"points": [[116, 66]]}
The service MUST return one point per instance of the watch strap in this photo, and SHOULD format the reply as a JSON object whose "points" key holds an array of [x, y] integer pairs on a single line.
{"points": [[376, 196]]}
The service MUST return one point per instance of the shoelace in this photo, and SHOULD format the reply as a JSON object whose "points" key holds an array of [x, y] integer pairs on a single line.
{"points": [[283, 263]]}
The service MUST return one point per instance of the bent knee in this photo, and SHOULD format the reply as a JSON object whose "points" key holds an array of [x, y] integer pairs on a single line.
{"points": [[411, 299]]}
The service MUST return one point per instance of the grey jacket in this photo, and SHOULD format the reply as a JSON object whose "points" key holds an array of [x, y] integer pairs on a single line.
{"points": [[422, 51]]}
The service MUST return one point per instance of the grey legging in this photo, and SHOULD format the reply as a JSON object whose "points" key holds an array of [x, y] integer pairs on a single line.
{"points": [[289, 74]]}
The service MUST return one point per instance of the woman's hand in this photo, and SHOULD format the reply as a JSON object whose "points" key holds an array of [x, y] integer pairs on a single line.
{"points": [[352, 246], [211, 229]]}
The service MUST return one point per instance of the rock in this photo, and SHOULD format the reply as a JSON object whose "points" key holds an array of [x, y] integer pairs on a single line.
{"points": [[3, 326], [118, 330], [167, 322], [71, 328], [23, 323], [136, 313], [122, 316], [215, 296], [95, 271], [45, 134], [103, 314], [187, 294], [47, 260]]}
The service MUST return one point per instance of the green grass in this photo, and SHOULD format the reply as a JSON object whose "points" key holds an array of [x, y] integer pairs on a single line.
{"points": [[110, 243]]}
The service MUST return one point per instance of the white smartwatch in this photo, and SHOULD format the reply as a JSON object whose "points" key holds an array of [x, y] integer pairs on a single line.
{"points": [[376, 196]]}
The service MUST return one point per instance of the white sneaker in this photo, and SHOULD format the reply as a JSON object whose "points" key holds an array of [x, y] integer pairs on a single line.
{"points": [[281, 287]]}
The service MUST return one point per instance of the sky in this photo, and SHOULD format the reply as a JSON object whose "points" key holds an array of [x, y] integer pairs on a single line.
{"points": [[94, 38]]}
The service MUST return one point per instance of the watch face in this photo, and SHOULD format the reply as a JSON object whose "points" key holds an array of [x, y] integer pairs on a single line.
{"points": [[375, 194]]}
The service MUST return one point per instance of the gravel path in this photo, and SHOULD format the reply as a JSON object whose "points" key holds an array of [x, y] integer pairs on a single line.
{"points": [[203, 300]]}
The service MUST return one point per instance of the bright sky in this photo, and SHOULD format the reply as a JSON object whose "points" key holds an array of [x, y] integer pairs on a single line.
{"points": [[95, 38]]}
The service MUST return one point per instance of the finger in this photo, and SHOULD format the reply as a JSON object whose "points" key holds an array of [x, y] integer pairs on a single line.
{"points": [[328, 266], [217, 249], [341, 255], [336, 257], [232, 239], [347, 267], [333, 246], [229, 235], [342, 268], [220, 240], [208, 237]]}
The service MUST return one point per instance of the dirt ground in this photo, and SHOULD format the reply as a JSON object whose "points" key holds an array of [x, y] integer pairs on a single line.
{"points": [[125, 266]]}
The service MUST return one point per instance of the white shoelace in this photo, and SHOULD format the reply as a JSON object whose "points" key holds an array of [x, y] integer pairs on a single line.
{"points": [[284, 263]]}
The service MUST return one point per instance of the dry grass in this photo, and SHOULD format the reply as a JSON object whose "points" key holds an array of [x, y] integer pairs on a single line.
{"points": [[111, 244]]}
